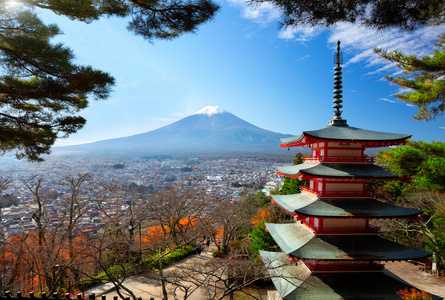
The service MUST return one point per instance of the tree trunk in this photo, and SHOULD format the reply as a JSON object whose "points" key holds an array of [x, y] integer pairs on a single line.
{"points": [[163, 282]]}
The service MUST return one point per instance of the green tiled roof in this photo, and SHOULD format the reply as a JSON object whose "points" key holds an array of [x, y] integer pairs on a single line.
{"points": [[289, 236], [338, 170], [285, 276], [350, 286], [294, 239], [347, 133], [369, 208], [295, 202], [293, 282]]}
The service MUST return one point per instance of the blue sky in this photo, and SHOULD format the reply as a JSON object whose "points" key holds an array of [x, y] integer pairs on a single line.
{"points": [[280, 80]]}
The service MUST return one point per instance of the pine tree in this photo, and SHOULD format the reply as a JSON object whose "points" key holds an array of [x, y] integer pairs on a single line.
{"points": [[426, 80], [379, 14], [421, 160]]}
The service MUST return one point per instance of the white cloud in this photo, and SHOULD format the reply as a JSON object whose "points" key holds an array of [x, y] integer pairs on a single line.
{"points": [[263, 13], [442, 127], [388, 100], [361, 41], [300, 34], [357, 40], [303, 58]]}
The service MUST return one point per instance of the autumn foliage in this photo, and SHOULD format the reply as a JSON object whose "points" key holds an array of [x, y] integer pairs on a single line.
{"points": [[414, 294], [154, 236], [29, 266], [262, 215]]}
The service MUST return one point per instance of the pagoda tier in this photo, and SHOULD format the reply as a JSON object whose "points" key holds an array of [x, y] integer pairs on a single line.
{"points": [[303, 205], [298, 241], [337, 171], [345, 135], [295, 281], [337, 181]]}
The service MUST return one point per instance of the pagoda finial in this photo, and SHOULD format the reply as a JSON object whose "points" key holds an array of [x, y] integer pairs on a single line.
{"points": [[338, 60]]}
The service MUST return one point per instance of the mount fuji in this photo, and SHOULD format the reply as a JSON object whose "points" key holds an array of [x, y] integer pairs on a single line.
{"points": [[209, 130]]}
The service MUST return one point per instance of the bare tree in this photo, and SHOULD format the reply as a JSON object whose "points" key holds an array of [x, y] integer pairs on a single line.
{"points": [[219, 278], [179, 214], [109, 254], [52, 253], [47, 253], [75, 206], [232, 219], [113, 247], [428, 232]]}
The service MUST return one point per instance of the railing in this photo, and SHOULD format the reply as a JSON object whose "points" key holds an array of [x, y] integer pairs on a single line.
{"points": [[339, 159], [307, 190], [336, 194], [338, 267], [44, 296]]}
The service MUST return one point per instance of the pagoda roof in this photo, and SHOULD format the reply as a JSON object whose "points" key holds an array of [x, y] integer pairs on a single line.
{"points": [[344, 133], [296, 240], [285, 276], [337, 170], [304, 204], [292, 282]]}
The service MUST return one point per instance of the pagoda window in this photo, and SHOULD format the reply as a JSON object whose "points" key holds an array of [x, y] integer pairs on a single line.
{"points": [[311, 185], [320, 186], [322, 152], [314, 152], [344, 186], [345, 225], [345, 152], [316, 223]]}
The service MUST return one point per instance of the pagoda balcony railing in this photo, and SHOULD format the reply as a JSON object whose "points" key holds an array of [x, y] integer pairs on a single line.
{"points": [[336, 194], [338, 267], [343, 230], [339, 159]]}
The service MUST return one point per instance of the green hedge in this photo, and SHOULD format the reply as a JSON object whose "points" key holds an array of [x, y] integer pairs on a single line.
{"points": [[145, 265]]}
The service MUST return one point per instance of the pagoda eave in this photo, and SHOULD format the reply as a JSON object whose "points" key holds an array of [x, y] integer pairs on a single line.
{"points": [[306, 141], [301, 216], [304, 177], [297, 240], [340, 171], [302, 206], [346, 134]]}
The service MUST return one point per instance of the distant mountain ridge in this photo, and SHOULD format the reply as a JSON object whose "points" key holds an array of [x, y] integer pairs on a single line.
{"points": [[210, 129]]}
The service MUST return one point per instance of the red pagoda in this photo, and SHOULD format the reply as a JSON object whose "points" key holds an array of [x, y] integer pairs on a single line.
{"points": [[334, 251]]}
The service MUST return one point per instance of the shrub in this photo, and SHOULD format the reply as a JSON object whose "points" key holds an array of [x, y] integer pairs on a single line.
{"points": [[215, 252], [414, 294]]}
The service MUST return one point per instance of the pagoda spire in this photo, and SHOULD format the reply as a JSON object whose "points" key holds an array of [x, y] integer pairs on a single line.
{"points": [[338, 60]]}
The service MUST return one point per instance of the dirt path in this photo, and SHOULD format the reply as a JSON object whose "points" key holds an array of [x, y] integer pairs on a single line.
{"points": [[146, 288], [421, 280]]}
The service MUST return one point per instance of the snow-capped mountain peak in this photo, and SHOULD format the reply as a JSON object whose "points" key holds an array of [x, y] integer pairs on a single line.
{"points": [[210, 110]]}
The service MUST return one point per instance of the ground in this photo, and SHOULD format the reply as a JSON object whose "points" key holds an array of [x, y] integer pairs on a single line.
{"points": [[414, 276], [146, 288]]}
